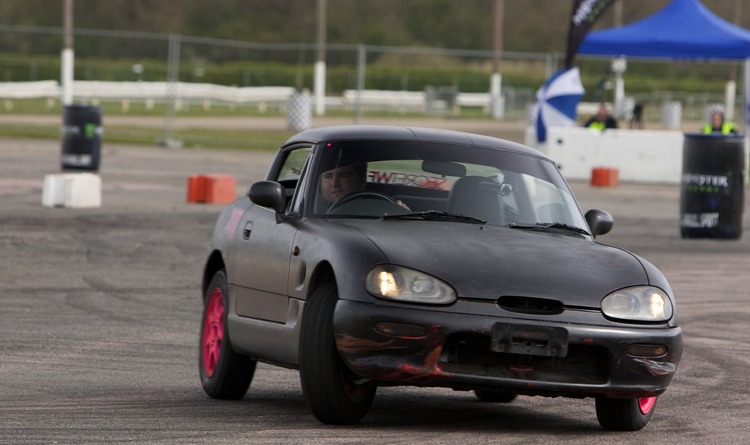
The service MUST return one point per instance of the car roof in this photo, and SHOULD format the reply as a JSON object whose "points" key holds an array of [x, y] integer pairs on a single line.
{"points": [[394, 132]]}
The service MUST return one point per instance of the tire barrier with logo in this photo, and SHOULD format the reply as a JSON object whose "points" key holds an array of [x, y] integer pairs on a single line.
{"points": [[81, 137], [712, 192]]}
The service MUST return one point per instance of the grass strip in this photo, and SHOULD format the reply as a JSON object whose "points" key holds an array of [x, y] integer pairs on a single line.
{"points": [[205, 138]]}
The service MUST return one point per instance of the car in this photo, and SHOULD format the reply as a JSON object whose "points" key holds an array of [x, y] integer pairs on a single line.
{"points": [[375, 256]]}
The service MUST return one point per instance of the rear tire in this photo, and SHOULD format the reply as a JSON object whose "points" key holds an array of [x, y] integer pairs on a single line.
{"points": [[624, 414], [224, 373], [492, 396], [331, 389]]}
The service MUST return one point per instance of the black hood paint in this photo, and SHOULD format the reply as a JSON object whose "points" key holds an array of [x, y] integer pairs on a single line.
{"points": [[486, 262]]}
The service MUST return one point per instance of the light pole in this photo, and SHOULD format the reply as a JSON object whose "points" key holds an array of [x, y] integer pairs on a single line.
{"points": [[496, 97], [66, 65], [320, 63], [170, 101], [731, 88]]}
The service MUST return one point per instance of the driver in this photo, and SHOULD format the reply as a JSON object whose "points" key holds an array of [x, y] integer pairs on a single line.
{"points": [[341, 181]]}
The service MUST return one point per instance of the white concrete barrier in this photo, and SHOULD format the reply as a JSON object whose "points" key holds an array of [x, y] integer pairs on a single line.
{"points": [[72, 190], [642, 156]]}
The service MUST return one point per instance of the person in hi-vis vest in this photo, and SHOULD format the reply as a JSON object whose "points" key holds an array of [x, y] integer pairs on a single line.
{"points": [[718, 125], [601, 120]]}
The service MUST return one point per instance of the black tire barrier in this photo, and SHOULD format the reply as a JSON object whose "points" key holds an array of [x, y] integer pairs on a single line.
{"points": [[81, 137], [713, 186]]}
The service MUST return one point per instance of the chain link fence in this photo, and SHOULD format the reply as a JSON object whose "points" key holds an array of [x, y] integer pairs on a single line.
{"points": [[450, 82]]}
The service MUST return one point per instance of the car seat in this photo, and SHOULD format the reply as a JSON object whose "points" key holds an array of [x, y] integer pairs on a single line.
{"points": [[477, 196]]}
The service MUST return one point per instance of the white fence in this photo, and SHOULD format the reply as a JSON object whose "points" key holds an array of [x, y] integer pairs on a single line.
{"points": [[29, 90], [206, 94], [149, 92]]}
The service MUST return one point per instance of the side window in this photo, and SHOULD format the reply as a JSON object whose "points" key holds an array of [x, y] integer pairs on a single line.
{"points": [[290, 174], [291, 170]]}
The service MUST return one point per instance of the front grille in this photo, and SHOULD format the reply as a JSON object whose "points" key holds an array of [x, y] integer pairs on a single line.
{"points": [[471, 355], [527, 305]]}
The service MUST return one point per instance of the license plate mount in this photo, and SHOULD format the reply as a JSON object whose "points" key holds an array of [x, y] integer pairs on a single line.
{"points": [[541, 341]]}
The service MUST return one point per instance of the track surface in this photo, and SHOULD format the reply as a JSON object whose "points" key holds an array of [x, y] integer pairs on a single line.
{"points": [[100, 315]]}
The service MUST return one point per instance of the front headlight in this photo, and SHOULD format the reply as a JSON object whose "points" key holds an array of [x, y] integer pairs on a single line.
{"points": [[399, 283], [638, 303]]}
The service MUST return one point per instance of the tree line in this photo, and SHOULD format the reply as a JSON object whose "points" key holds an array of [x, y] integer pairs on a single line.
{"points": [[529, 25]]}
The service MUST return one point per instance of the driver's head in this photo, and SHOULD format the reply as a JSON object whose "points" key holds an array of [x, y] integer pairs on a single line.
{"points": [[341, 181]]}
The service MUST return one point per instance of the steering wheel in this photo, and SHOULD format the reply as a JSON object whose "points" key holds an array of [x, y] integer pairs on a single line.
{"points": [[359, 195]]}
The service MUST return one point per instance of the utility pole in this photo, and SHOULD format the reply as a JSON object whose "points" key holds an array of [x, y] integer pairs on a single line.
{"points": [[618, 13], [66, 65]]}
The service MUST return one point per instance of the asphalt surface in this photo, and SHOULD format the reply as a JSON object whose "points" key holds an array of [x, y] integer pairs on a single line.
{"points": [[100, 312]]}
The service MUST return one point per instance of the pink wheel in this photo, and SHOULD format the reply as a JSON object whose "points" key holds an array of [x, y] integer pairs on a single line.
{"points": [[224, 373], [646, 404], [213, 332]]}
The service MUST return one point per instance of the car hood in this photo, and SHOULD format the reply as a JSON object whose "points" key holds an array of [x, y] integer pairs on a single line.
{"points": [[486, 262]]}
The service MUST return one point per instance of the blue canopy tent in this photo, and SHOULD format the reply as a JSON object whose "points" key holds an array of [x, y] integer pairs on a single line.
{"points": [[684, 29]]}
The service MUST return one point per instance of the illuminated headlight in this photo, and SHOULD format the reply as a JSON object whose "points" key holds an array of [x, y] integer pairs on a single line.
{"points": [[402, 284], [639, 303]]}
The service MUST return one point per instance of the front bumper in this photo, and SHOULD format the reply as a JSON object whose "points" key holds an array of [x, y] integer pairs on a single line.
{"points": [[405, 346]]}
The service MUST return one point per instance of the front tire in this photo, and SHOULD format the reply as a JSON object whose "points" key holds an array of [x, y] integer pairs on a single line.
{"points": [[331, 389], [624, 414], [224, 373]]}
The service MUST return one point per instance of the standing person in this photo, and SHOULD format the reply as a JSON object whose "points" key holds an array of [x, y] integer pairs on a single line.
{"points": [[636, 120], [718, 125], [601, 120]]}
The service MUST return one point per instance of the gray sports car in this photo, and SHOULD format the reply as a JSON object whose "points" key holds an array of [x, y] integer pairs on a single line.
{"points": [[378, 256]]}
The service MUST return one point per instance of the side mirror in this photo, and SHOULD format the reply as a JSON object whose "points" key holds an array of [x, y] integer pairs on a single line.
{"points": [[600, 222], [269, 194]]}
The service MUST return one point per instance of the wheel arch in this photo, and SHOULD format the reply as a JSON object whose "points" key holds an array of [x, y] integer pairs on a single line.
{"points": [[214, 264], [322, 275]]}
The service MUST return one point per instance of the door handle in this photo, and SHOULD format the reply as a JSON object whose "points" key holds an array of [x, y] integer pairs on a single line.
{"points": [[247, 230]]}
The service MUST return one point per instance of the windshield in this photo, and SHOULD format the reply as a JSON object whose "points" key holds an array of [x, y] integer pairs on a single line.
{"points": [[377, 179]]}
